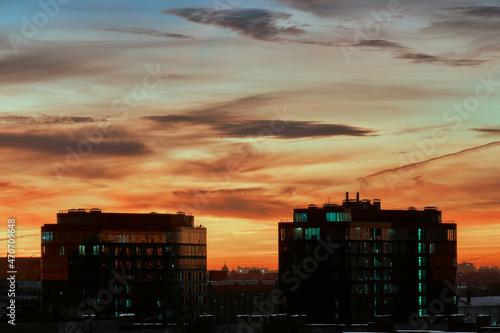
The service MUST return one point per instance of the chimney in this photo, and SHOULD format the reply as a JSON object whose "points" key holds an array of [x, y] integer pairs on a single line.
{"points": [[357, 197], [346, 196]]}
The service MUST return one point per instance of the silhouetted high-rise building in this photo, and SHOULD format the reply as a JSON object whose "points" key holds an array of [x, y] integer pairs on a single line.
{"points": [[353, 261], [152, 266]]}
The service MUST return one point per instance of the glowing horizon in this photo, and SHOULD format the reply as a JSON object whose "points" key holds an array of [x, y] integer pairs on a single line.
{"points": [[237, 112]]}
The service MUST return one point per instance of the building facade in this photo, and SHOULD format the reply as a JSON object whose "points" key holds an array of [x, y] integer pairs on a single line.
{"points": [[353, 261], [150, 266]]}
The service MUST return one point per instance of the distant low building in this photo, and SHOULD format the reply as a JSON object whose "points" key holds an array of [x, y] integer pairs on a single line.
{"points": [[28, 287], [466, 267], [479, 306], [228, 299]]}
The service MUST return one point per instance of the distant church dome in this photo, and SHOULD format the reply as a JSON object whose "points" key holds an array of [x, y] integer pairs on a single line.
{"points": [[224, 268]]}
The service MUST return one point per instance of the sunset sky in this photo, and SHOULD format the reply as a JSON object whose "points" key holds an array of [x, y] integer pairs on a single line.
{"points": [[237, 111]]}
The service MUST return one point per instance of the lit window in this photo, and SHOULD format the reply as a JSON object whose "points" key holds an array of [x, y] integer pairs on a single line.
{"points": [[297, 233], [61, 250], [421, 261], [420, 233], [335, 217], [311, 233], [81, 250], [47, 236], [300, 217], [95, 250]]}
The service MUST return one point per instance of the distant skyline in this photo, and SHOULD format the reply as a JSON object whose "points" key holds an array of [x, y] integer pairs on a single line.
{"points": [[238, 111]]}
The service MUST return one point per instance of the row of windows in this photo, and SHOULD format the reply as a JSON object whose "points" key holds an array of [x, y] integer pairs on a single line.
{"points": [[197, 236], [375, 275], [189, 235], [180, 250], [330, 217], [194, 288], [371, 262], [338, 217], [151, 264], [194, 300], [386, 288], [47, 236]]}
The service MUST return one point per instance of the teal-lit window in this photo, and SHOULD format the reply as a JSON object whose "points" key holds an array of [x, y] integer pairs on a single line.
{"points": [[95, 250], [422, 287], [421, 247], [128, 303], [47, 236], [297, 234], [422, 261], [375, 302], [420, 234], [300, 217], [422, 275], [335, 216], [422, 300], [61, 250], [81, 250], [311, 233]]}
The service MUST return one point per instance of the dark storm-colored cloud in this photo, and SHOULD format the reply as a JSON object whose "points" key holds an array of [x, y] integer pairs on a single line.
{"points": [[291, 129], [476, 25], [230, 191], [264, 127], [420, 58], [400, 51], [47, 120], [46, 64], [147, 32], [317, 7], [479, 11], [487, 132], [259, 24], [116, 144], [379, 43]]}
